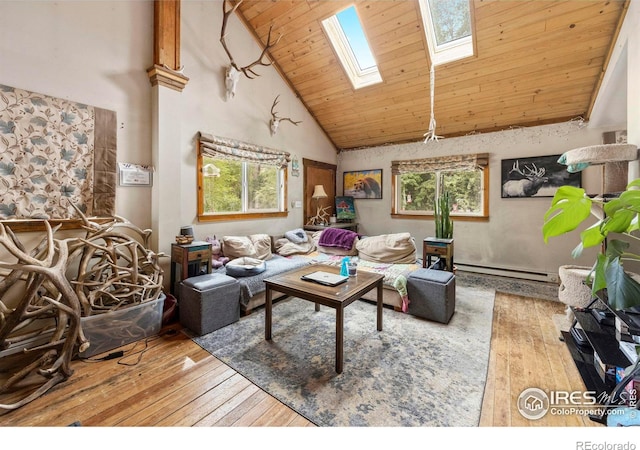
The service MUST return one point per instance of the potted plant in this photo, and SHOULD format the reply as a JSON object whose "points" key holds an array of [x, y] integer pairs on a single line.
{"points": [[442, 245], [444, 223], [571, 206]]}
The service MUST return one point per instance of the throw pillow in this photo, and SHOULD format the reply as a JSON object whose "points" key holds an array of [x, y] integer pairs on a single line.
{"points": [[284, 247], [254, 246], [398, 248], [262, 244], [297, 236], [234, 247]]}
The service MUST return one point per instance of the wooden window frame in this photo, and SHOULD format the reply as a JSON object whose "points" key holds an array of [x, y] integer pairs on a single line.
{"points": [[209, 217], [483, 217]]}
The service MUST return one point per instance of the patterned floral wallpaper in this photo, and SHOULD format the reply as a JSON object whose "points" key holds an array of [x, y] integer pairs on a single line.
{"points": [[46, 156]]}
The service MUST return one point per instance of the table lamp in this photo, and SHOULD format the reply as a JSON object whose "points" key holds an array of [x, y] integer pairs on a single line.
{"points": [[320, 217]]}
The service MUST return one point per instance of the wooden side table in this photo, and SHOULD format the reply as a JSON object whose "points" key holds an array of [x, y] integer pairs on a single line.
{"points": [[439, 248], [189, 260]]}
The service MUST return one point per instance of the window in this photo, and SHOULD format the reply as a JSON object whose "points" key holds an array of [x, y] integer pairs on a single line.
{"points": [[350, 43], [447, 25], [418, 182], [238, 180]]}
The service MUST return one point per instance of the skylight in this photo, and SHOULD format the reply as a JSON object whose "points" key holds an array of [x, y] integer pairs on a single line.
{"points": [[350, 43], [447, 24]]}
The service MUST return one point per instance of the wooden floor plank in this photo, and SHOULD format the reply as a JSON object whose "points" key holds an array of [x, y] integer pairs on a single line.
{"points": [[524, 373], [277, 415], [226, 408], [210, 400], [542, 374], [142, 397], [553, 349], [500, 359], [179, 393], [240, 411], [255, 414], [300, 421]]}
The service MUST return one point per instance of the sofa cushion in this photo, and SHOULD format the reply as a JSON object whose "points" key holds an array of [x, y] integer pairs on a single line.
{"points": [[253, 246], [285, 247], [398, 248], [245, 267]]}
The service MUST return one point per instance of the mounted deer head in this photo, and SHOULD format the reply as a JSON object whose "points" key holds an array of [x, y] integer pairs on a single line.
{"points": [[232, 74], [529, 185], [231, 77], [275, 120]]}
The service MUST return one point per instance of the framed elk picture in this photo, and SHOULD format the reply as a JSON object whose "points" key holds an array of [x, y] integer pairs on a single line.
{"points": [[538, 176]]}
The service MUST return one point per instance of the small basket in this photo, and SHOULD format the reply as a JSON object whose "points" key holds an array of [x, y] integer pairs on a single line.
{"points": [[186, 239]]}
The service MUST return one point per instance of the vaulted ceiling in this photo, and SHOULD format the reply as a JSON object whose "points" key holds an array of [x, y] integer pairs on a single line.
{"points": [[536, 62]]}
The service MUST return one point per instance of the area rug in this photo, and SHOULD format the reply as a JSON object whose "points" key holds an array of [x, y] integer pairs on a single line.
{"points": [[413, 373]]}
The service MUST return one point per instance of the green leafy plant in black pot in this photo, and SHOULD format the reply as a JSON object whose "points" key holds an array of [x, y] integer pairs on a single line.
{"points": [[571, 206]]}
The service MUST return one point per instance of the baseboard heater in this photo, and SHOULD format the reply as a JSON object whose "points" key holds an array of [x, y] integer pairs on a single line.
{"points": [[505, 272]]}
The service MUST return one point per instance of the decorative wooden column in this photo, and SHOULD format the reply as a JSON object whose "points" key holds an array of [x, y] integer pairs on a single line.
{"points": [[166, 70], [167, 81]]}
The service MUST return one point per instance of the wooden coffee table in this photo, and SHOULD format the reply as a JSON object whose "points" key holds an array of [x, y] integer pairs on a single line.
{"points": [[336, 297]]}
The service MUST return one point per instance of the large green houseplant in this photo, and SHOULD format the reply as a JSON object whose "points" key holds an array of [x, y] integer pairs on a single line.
{"points": [[571, 206]]}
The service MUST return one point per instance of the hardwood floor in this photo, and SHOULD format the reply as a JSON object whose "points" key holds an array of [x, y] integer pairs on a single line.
{"points": [[526, 352], [173, 382]]}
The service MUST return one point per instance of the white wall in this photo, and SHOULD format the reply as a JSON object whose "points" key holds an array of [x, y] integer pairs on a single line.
{"points": [[245, 117], [630, 39], [632, 27], [512, 238], [89, 52]]}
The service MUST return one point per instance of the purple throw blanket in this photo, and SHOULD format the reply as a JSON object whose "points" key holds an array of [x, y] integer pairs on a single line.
{"points": [[337, 237]]}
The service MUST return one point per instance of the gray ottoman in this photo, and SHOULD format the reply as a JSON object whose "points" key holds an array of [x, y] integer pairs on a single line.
{"points": [[432, 294], [208, 302]]}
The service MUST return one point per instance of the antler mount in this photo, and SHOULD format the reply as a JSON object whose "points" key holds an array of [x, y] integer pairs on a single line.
{"points": [[233, 71], [275, 120]]}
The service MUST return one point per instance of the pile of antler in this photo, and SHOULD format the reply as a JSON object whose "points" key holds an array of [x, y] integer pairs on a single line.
{"points": [[41, 305]]}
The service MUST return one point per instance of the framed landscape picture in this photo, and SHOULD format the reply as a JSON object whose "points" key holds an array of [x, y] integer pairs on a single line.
{"points": [[538, 176], [345, 209], [363, 184]]}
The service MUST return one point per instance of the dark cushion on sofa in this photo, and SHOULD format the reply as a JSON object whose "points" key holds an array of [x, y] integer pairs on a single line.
{"points": [[254, 285], [245, 267]]}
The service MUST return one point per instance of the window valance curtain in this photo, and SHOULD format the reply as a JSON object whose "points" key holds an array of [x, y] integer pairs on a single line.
{"points": [[224, 148], [451, 162]]}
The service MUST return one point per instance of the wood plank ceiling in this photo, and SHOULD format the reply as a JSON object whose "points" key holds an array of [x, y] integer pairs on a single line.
{"points": [[536, 62]]}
